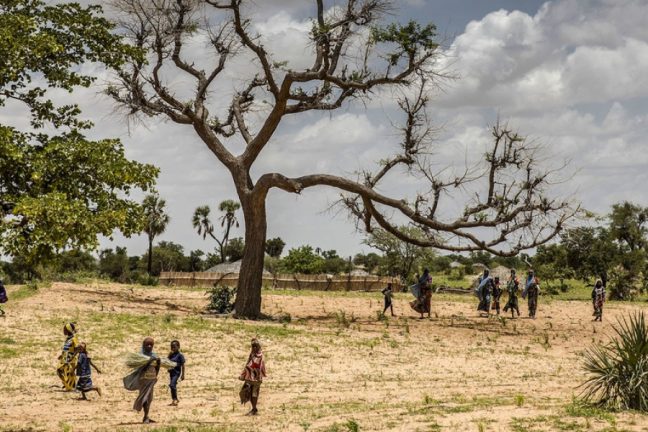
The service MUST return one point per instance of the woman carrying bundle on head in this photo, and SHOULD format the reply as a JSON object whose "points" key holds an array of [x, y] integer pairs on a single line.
{"points": [[68, 359]]}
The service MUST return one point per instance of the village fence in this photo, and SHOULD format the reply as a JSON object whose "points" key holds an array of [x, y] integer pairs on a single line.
{"points": [[319, 282]]}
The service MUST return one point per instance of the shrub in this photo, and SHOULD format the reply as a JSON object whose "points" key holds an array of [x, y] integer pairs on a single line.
{"points": [[147, 280], [619, 369], [221, 299]]}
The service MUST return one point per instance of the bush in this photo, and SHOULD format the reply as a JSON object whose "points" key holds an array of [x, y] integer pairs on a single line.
{"points": [[619, 369], [624, 285], [221, 299], [146, 280]]}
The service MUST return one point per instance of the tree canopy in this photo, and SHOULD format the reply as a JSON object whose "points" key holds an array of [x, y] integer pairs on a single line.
{"points": [[614, 250], [58, 189]]}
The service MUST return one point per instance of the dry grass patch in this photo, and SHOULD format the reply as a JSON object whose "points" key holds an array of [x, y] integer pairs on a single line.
{"points": [[334, 362]]}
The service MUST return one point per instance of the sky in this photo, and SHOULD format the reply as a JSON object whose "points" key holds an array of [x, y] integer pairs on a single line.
{"points": [[569, 74]]}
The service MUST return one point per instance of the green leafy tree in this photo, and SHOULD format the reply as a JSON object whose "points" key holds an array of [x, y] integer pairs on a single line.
{"points": [[370, 261], [115, 264], [274, 247], [196, 262], [614, 253], [390, 55], [211, 260], [167, 256], [629, 225], [400, 258], [59, 192], [481, 257], [590, 252], [204, 226], [156, 221], [302, 260], [333, 263], [628, 228], [74, 261], [235, 249]]}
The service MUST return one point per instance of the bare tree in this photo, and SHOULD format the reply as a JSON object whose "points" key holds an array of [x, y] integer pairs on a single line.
{"points": [[506, 208]]}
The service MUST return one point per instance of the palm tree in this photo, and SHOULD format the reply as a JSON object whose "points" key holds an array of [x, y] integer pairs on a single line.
{"points": [[229, 207], [156, 222], [205, 227], [201, 222]]}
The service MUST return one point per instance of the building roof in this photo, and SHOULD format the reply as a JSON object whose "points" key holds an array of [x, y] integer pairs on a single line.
{"points": [[229, 267]]}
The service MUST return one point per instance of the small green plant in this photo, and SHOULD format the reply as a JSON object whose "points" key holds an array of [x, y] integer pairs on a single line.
{"points": [[221, 299], [285, 318], [342, 319], [619, 370], [65, 427], [352, 426], [519, 400]]}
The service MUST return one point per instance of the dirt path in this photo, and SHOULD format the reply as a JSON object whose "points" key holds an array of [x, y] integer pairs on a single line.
{"points": [[332, 367]]}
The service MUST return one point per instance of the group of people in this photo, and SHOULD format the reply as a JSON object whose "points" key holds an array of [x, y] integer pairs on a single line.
{"points": [[75, 363], [489, 292], [75, 371]]}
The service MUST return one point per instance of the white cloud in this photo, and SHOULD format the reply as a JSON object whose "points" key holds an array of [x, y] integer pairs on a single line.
{"points": [[571, 76], [513, 60]]}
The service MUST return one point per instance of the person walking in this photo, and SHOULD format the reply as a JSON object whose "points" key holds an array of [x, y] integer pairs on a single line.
{"points": [[598, 299], [388, 295], [253, 375], [512, 288]]}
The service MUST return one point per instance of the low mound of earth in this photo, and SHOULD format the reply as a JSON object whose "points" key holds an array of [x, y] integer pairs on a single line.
{"points": [[333, 364]]}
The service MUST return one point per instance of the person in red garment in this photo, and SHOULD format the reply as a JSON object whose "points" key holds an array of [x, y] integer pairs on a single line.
{"points": [[253, 375]]}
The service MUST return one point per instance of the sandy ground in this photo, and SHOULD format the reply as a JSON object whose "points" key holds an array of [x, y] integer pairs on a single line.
{"points": [[333, 367]]}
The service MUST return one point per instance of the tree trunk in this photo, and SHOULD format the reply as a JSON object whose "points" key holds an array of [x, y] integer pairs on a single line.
{"points": [[150, 256], [248, 294]]}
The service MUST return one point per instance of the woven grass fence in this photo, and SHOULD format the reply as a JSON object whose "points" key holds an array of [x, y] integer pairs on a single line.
{"points": [[320, 282]]}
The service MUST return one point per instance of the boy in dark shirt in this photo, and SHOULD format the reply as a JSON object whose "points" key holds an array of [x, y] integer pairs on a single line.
{"points": [[388, 293], [177, 373], [84, 372]]}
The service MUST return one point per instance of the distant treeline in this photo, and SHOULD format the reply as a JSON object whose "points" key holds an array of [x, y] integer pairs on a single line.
{"points": [[117, 265]]}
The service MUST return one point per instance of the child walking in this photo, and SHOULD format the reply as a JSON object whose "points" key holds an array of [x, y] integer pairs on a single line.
{"points": [[388, 293], [177, 373], [84, 372], [497, 293], [512, 287], [253, 375]]}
